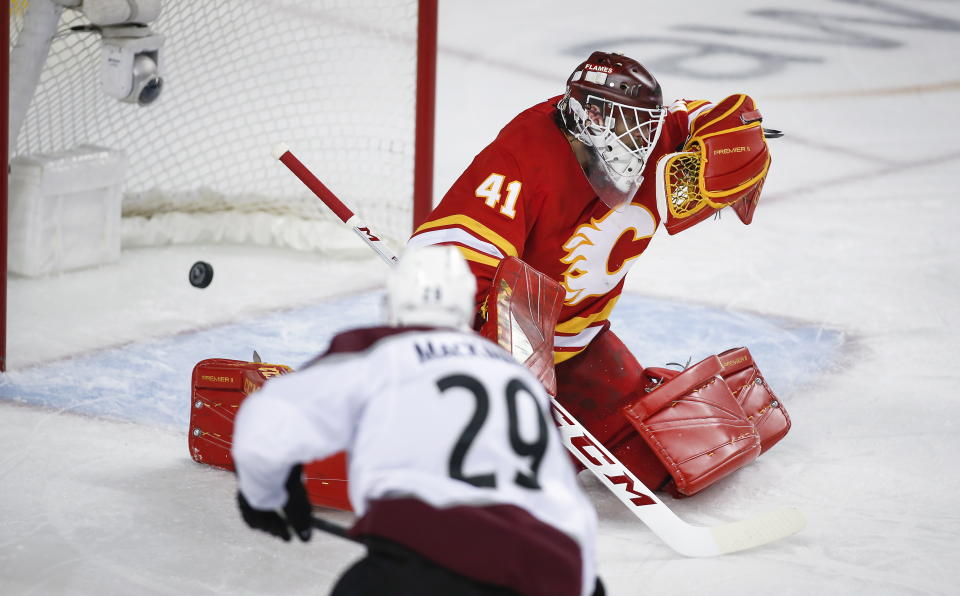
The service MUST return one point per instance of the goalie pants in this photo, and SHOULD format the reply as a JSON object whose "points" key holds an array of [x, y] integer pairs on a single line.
{"points": [[594, 386]]}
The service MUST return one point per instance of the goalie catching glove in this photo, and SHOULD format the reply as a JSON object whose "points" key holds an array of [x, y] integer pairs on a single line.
{"points": [[724, 162]]}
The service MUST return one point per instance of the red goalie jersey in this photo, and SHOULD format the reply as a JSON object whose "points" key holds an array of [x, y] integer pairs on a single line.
{"points": [[526, 195], [575, 187]]}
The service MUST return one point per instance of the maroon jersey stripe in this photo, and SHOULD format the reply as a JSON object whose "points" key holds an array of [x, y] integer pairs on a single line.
{"points": [[502, 545], [358, 340]]}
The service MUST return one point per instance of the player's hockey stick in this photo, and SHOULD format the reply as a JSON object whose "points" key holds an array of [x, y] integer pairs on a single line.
{"points": [[331, 528], [346, 215], [685, 538]]}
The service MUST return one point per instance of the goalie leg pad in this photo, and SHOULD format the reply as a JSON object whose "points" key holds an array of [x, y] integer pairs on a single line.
{"points": [[219, 387], [326, 482], [762, 407], [694, 424], [593, 386]]}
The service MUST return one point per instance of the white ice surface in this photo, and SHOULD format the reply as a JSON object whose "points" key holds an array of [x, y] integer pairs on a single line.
{"points": [[847, 279]]}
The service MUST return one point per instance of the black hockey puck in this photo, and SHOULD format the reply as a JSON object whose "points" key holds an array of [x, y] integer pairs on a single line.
{"points": [[201, 274]]}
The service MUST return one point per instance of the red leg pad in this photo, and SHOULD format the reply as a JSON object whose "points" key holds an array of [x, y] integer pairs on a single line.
{"points": [[695, 426], [758, 401], [326, 482], [219, 387]]}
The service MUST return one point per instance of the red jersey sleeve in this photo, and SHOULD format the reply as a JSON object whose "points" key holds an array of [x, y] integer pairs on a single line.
{"points": [[680, 116], [484, 214]]}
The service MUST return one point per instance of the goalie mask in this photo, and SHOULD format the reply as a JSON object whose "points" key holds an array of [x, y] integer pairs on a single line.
{"points": [[431, 286], [613, 105]]}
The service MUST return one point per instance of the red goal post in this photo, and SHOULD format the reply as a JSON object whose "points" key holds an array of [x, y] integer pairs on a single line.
{"points": [[350, 84], [5, 73]]}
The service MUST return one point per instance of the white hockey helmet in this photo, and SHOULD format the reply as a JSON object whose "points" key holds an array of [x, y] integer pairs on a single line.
{"points": [[432, 285]]}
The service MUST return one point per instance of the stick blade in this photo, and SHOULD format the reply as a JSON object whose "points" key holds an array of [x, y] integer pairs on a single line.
{"points": [[763, 529]]}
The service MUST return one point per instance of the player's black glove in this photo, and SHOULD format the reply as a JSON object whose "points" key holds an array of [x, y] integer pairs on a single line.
{"points": [[598, 589], [297, 513]]}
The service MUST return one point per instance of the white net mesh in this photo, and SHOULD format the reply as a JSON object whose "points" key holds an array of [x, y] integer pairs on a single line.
{"points": [[335, 80]]}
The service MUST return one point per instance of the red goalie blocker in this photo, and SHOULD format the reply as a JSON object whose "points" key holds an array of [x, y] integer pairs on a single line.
{"points": [[522, 311], [219, 387]]}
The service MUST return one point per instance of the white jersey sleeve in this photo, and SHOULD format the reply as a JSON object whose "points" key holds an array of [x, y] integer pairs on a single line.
{"points": [[296, 418]]}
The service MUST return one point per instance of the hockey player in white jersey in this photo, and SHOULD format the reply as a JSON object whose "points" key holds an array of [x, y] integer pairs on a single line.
{"points": [[457, 473]]}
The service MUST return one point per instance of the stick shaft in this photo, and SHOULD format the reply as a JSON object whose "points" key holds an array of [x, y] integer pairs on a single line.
{"points": [[323, 193], [331, 528], [339, 208]]}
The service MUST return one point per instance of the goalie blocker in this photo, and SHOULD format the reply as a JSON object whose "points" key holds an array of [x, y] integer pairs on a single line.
{"points": [[678, 430]]}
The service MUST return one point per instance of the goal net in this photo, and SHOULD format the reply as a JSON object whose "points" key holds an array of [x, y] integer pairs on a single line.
{"points": [[346, 84], [336, 80]]}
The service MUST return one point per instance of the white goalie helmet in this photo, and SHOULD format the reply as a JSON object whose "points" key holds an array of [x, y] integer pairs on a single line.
{"points": [[432, 286], [613, 105]]}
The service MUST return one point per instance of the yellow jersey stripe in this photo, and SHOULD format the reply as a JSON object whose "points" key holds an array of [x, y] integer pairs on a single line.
{"points": [[578, 324], [559, 357], [478, 257], [474, 226]]}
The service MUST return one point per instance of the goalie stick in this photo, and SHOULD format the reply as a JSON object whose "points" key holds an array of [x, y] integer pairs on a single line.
{"points": [[346, 215], [686, 539]]}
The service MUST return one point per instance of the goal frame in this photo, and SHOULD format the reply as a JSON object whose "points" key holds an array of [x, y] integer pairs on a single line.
{"points": [[4, 115], [424, 106]]}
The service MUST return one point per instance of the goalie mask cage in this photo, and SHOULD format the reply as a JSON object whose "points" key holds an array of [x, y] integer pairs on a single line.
{"points": [[348, 84]]}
